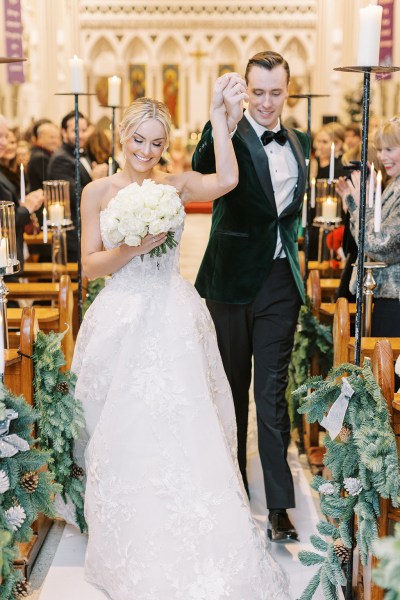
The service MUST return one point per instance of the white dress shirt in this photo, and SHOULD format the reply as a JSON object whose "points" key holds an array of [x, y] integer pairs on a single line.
{"points": [[284, 173]]}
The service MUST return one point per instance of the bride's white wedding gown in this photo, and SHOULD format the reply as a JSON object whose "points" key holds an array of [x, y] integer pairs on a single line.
{"points": [[167, 512]]}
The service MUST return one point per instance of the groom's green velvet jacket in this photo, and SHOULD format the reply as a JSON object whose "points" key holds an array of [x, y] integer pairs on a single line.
{"points": [[245, 221]]}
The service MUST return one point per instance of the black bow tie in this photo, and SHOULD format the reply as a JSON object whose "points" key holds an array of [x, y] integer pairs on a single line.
{"points": [[280, 136]]}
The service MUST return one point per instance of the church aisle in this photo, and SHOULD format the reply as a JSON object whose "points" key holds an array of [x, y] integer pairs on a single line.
{"points": [[65, 578]]}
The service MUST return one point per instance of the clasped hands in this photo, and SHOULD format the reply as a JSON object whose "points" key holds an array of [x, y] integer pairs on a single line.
{"points": [[229, 93]]}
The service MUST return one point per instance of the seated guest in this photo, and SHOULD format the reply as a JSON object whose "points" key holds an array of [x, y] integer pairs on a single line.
{"points": [[385, 245], [62, 166], [9, 190], [98, 147], [319, 169], [352, 136], [47, 140]]}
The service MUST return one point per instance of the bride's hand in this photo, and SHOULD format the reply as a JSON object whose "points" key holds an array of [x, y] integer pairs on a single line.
{"points": [[150, 242]]}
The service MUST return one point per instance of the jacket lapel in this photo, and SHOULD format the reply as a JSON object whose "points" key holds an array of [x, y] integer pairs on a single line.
{"points": [[259, 158]]}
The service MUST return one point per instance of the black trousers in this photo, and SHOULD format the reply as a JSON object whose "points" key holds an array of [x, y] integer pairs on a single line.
{"points": [[265, 329]]}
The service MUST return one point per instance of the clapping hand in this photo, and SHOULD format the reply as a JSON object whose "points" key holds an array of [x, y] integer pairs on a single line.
{"points": [[229, 94], [34, 200], [350, 186]]}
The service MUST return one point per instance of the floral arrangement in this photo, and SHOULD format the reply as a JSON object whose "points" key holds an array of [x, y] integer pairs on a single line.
{"points": [[138, 210], [59, 422], [26, 488], [363, 460]]}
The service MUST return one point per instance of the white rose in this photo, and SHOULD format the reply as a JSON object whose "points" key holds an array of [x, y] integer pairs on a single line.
{"points": [[130, 225], [115, 236], [157, 226], [133, 240], [147, 215], [108, 221], [151, 201]]}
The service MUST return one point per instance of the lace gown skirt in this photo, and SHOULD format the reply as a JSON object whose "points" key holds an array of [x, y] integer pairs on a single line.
{"points": [[167, 513]]}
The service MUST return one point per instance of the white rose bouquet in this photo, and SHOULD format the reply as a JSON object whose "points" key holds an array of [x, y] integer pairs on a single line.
{"points": [[141, 209]]}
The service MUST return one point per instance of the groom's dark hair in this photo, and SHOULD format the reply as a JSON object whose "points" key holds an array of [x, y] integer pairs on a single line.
{"points": [[267, 60]]}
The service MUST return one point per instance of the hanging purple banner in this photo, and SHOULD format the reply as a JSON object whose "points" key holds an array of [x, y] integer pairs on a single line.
{"points": [[13, 36], [386, 49]]}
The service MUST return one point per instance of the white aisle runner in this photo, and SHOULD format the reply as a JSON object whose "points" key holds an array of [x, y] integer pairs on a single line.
{"points": [[65, 578]]}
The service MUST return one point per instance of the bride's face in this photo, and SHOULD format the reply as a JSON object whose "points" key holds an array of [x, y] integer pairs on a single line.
{"points": [[144, 148]]}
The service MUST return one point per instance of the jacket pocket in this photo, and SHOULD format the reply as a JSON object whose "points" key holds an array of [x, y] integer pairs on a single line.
{"points": [[232, 233]]}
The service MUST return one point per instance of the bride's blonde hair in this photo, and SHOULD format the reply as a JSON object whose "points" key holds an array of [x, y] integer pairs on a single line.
{"points": [[144, 109]]}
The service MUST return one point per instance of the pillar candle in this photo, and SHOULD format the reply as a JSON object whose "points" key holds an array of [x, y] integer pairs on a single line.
{"points": [[114, 90], [371, 186], [45, 225], [3, 253], [369, 36], [1, 346], [312, 202], [378, 203], [56, 214], [110, 166], [329, 210], [77, 75], [332, 163], [304, 213], [22, 183]]}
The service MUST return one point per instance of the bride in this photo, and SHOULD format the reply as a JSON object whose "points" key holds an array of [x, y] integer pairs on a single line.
{"points": [[167, 513]]}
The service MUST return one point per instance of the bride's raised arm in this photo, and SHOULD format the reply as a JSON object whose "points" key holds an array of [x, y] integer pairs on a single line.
{"points": [[229, 88]]}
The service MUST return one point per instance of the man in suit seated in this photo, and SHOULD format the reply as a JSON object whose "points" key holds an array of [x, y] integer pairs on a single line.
{"points": [[62, 166], [8, 192], [250, 274]]}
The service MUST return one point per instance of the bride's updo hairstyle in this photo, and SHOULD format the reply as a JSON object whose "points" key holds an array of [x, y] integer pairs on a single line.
{"points": [[388, 136], [141, 110]]}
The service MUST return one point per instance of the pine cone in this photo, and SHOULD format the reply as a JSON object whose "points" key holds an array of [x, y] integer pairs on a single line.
{"points": [[29, 481], [63, 387], [22, 589], [4, 482], [15, 516], [341, 551], [344, 434], [352, 485], [76, 471]]}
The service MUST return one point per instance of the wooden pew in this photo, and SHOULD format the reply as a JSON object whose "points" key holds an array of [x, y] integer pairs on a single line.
{"points": [[59, 319], [324, 311], [36, 271], [382, 366], [45, 291], [344, 345], [18, 377]]}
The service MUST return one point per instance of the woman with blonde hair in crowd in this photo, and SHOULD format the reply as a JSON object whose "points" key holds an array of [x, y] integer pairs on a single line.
{"points": [[383, 245]]}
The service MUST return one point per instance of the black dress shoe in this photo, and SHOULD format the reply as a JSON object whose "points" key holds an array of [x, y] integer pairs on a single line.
{"points": [[280, 527]]}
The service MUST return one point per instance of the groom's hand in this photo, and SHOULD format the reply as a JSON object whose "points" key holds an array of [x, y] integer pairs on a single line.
{"points": [[234, 94], [229, 93]]}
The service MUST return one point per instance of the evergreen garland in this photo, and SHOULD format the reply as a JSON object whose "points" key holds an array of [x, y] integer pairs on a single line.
{"points": [[60, 417], [364, 464], [311, 338], [19, 507], [94, 287], [387, 574]]}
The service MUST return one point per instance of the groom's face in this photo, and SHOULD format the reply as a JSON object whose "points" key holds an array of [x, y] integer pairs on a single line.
{"points": [[268, 90]]}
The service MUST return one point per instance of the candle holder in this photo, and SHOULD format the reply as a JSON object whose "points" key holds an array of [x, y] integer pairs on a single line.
{"points": [[369, 286], [56, 201], [9, 263], [367, 70], [77, 193], [328, 212]]}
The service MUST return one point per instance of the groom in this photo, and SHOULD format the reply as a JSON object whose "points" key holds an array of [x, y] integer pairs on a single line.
{"points": [[250, 273]]}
